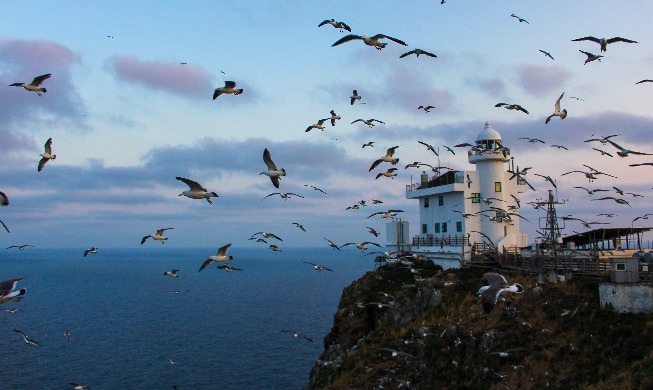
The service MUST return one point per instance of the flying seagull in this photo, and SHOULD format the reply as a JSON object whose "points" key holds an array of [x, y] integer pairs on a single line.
{"points": [[273, 173], [644, 81], [603, 140], [391, 172], [34, 85], [268, 235], [196, 190], [417, 52], [7, 292], [334, 117], [4, 201], [374, 40], [521, 20], [319, 125], [4, 226], [355, 96], [21, 247], [46, 155], [332, 244], [172, 274], [92, 250], [386, 214], [298, 334], [221, 256], [283, 195], [498, 285], [339, 25], [604, 42], [369, 122], [157, 236], [28, 340], [389, 157], [318, 267], [315, 188], [228, 268], [512, 107], [562, 114], [229, 87], [370, 144], [623, 152], [429, 147], [425, 108], [363, 245], [373, 231], [546, 53], [299, 225], [591, 57]]}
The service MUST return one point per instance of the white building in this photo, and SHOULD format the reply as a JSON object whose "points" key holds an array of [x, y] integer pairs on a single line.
{"points": [[450, 206]]}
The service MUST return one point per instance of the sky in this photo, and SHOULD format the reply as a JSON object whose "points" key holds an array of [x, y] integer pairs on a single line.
{"points": [[127, 117]]}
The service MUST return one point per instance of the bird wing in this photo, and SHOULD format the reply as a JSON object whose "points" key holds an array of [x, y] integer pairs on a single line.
{"points": [[160, 231], [42, 163], [193, 185], [379, 36], [48, 146], [6, 286], [39, 79], [344, 26], [376, 120], [230, 84], [5, 226], [593, 39], [4, 200], [391, 151], [223, 250], [557, 105], [205, 264], [375, 164], [324, 22], [548, 119], [346, 38], [408, 53], [143, 239], [611, 40], [275, 181], [268, 161], [357, 120], [616, 145]]}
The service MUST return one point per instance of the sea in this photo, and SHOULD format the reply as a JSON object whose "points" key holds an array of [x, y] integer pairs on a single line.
{"points": [[131, 327]]}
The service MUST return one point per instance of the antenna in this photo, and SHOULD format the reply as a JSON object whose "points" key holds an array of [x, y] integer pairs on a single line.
{"points": [[552, 237]]}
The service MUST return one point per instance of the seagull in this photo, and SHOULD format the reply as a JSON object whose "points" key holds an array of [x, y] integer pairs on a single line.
{"points": [[268, 235], [46, 155], [547, 178], [512, 107], [373, 231], [196, 190], [21, 247], [521, 20], [334, 117], [362, 246], [92, 250], [417, 52], [11, 311], [630, 165], [449, 149], [644, 81], [273, 173], [618, 200], [34, 85], [603, 140], [429, 147], [623, 152], [387, 158], [219, 257], [4, 226], [386, 214], [369, 122], [498, 284], [389, 173], [339, 25], [603, 153], [591, 175], [426, 109], [228, 268], [4, 201], [619, 191], [374, 40], [354, 97], [332, 244], [275, 248], [559, 147], [546, 53], [318, 267], [299, 225], [172, 274], [591, 57], [562, 114], [7, 292], [532, 140], [258, 239], [370, 144], [157, 236], [591, 192], [229, 87], [298, 334], [315, 188], [319, 125], [66, 334], [27, 339], [604, 42], [283, 195]]}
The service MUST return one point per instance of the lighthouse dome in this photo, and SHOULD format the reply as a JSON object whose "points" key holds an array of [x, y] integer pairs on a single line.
{"points": [[488, 134]]}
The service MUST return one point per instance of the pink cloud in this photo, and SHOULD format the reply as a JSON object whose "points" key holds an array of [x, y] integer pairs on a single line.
{"points": [[537, 79], [41, 56], [189, 80]]}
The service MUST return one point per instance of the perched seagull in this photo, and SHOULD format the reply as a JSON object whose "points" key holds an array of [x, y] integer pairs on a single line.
{"points": [[389, 173], [7, 292], [370, 144], [521, 20], [196, 190], [92, 250], [172, 274], [644, 81], [319, 125], [268, 235], [4, 201], [386, 214], [332, 244], [374, 40], [157, 236], [623, 152], [34, 85], [315, 188], [362, 246], [221, 256], [562, 114], [512, 107], [283, 195], [229, 87], [298, 334], [318, 267], [425, 108], [273, 173], [417, 52], [21, 247], [591, 57], [373, 231], [299, 225], [333, 118], [546, 53], [355, 96], [27, 339], [46, 155], [369, 122], [604, 42], [387, 158], [498, 285], [339, 25]]}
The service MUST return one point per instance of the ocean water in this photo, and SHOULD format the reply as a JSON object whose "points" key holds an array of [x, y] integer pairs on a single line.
{"points": [[222, 330]]}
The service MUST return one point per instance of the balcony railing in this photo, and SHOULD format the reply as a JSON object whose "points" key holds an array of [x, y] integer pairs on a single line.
{"points": [[442, 240]]}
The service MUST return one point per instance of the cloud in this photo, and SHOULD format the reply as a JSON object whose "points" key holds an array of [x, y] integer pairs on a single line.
{"points": [[537, 79], [492, 87]]}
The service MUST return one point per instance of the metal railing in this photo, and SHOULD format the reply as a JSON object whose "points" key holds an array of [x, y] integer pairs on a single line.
{"points": [[443, 240]]}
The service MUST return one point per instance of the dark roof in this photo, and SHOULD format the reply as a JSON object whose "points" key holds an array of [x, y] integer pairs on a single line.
{"points": [[603, 234], [444, 179]]}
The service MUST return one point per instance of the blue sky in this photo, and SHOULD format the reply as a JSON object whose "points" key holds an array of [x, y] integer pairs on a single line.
{"points": [[126, 117]]}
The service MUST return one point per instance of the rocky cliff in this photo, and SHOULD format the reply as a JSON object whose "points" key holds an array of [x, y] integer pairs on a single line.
{"points": [[415, 326]]}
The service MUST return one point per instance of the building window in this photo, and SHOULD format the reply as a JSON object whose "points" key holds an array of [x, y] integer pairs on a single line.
{"points": [[476, 197], [497, 186], [423, 228], [444, 227], [426, 202], [436, 228], [620, 266], [440, 200], [459, 227]]}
